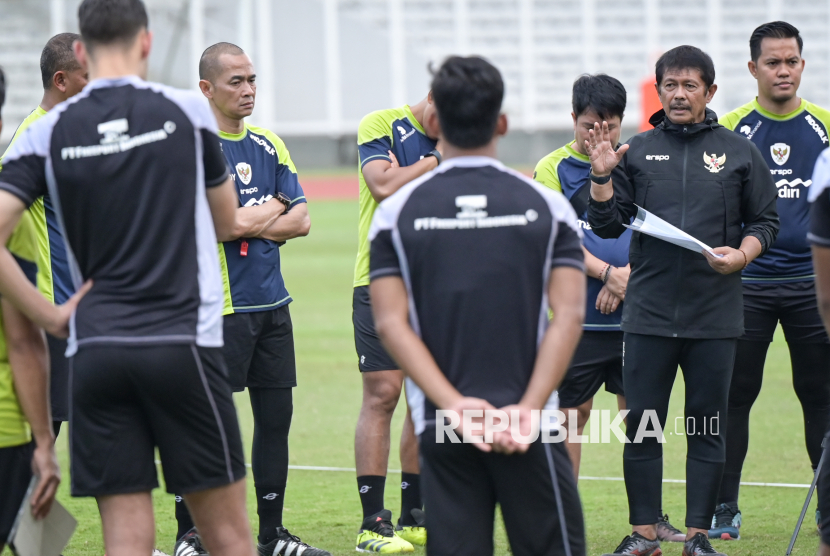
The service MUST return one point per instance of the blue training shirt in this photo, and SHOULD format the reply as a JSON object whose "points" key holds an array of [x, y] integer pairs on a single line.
{"points": [[260, 167], [790, 144], [566, 170]]}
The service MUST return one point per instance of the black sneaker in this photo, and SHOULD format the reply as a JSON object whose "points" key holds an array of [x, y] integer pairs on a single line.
{"points": [[189, 545], [287, 544], [667, 532], [726, 524], [699, 545], [637, 545]]}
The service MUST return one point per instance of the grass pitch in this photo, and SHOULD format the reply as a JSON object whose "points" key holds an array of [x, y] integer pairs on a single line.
{"points": [[323, 508]]}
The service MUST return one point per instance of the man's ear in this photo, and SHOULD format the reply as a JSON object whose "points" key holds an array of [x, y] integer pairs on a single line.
{"points": [[501, 125], [753, 69], [146, 44], [711, 93], [429, 97], [206, 87], [432, 126], [59, 81]]}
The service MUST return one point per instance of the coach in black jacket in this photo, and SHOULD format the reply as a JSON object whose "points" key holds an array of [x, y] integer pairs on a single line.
{"points": [[682, 308]]}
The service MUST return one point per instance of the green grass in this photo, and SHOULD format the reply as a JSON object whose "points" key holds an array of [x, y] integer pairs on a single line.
{"points": [[323, 507]]}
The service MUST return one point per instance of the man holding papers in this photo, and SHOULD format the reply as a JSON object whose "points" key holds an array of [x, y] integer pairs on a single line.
{"points": [[682, 307]]}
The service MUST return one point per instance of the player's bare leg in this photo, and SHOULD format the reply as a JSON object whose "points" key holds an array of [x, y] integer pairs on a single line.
{"points": [[381, 392], [221, 517], [128, 525], [409, 446], [583, 412]]}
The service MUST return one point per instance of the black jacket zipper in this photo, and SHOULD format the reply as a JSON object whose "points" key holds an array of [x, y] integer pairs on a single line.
{"points": [[682, 225]]}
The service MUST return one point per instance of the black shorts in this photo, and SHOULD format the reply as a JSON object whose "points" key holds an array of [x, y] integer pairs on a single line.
{"points": [[15, 475], [370, 353], [597, 360], [129, 399], [58, 378], [794, 305], [539, 501], [259, 349]]}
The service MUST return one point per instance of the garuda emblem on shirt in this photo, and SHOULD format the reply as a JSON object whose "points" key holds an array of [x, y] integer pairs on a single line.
{"points": [[780, 153], [714, 163], [243, 169]]}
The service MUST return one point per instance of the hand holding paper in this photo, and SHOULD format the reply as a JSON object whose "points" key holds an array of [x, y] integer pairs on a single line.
{"points": [[649, 224]]}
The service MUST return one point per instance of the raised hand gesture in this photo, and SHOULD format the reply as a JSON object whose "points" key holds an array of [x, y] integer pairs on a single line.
{"points": [[600, 150]]}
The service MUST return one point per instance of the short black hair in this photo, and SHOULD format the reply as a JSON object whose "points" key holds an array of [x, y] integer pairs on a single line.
{"points": [[58, 56], [772, 30], [601, 93], [686, 57], [2, 92], [105, 22], [209, 62], [468, 93]]}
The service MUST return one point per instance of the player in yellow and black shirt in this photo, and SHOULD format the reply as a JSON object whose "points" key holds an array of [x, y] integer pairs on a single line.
{"points": [[394, 149], [25, 422], [62, 77]]}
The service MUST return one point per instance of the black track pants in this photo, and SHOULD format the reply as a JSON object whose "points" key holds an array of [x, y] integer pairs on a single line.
{"points": [[811, 381], [649, 369]]}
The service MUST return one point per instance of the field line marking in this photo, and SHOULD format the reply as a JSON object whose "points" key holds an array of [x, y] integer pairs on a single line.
{"points": [[581, 478]]}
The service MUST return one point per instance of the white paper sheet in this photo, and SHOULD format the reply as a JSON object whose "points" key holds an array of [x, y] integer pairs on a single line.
{"points": [[655, 226], [43, 537]]}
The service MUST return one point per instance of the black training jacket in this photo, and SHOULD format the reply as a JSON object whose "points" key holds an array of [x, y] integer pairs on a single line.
{"points": [[711, 183]]}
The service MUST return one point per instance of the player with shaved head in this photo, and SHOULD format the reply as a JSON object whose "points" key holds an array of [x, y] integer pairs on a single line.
{"points": [[259, 341]]}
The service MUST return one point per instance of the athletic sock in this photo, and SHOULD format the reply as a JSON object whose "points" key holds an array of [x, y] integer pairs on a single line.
{"points": [[370, 488], [183, 517], [269, 504], [410, 497]]}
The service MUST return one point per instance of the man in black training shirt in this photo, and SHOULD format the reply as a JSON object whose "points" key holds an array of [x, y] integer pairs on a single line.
{"points": [[681, 308], [465, 262], [142, 192]]}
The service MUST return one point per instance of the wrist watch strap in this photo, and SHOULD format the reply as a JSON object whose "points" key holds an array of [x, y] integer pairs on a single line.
{"points": [[436, 154]]}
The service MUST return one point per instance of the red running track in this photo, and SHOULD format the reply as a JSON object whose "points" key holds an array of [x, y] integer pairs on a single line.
{"points": [[330, 188]]}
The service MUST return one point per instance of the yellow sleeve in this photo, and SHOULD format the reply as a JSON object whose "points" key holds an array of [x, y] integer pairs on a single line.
{"points": [[283, 156], [23, 241], [820, 114], [546, 174], [374, 126]]}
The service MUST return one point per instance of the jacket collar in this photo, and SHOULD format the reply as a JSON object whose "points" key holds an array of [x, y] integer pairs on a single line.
{"points": [[661, 121]]}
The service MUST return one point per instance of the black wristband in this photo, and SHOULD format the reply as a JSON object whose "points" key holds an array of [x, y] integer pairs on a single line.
{"points": [[436, 154], [600, 180]]}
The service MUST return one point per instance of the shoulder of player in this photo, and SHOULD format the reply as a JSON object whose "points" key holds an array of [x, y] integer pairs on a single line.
{"points": [[730, 120], [821, 114], [547, 169], [275, 141], [378, 124], [556, 201], [32, 138], [192, 103]]}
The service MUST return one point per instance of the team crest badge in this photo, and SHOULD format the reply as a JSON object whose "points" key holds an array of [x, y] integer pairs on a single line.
{"points": [[780, 153], [243, 169], [714, 163]]}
